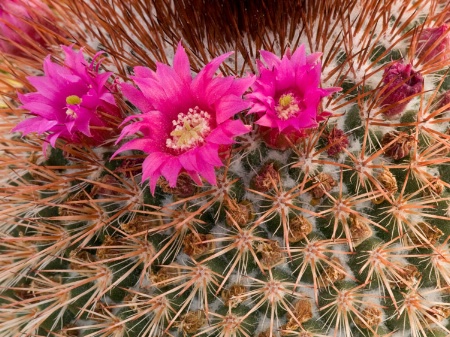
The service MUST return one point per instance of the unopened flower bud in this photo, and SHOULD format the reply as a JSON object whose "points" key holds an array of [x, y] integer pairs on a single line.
{"points": [[434, 44], [15, 27], [401, 82]]}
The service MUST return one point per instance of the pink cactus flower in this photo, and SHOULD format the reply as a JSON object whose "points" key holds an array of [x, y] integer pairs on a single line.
{"points": [[186, 121], [73, 102], [15, 29], [401, 82], [434, 44], [287, 94]]}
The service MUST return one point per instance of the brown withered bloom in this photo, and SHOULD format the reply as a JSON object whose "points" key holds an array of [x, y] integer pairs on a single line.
{"points": [[267, 177], [372, 317], [323, 182], [388, 183], [330, 274], [424, 232], [302, 313], [193, 321], [184, 188], [232, 296], [359, 230], [299, 228], [195, 244], [242, 213], [398, 144], [272, 255]]}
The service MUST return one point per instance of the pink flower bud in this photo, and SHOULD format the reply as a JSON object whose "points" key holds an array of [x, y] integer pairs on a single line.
{"points": [[18, 19], [401, 82], [434, 44]]}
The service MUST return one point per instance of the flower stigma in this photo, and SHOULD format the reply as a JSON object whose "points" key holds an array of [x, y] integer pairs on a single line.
{"points": [[73, 100]]}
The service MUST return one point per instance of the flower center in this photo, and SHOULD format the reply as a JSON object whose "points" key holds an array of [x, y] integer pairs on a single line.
{"points": [[72, 100], [190, 129], [287, 106]]}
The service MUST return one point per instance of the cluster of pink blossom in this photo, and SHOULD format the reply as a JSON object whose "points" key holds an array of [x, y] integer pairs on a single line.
{"points": [[185, 122]]}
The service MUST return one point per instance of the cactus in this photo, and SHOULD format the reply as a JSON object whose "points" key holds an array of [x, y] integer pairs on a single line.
{"points": [[322, 213]]}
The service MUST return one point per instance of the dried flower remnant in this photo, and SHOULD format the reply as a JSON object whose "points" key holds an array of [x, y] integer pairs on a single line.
{"points": [[267, 178], [17, 31], [272, 255], [400, 148], [438, 313], [195, 244], [424, 232], [234, 295], [410, 276], [193, 321], [331, 275], [359, 230], [338, 141], [388, 183], [184, 188], [242, 213], [434, 44], [372, 317], [302, 313], [286, 96], [166, 274], [299, 228], [184, 120], [323, 183], [73, 102], [401, 82]]}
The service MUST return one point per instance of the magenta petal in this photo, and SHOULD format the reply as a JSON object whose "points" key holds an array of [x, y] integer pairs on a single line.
{"points": [[181, 64], [195, 177], [219, 136], [208, 172], [265, 120], [152, 164], [143, 72], [209, 153], [299, 56], [52, 138], [218, 87], [136, 97], [200, 82], [171, 169], [230, 106], [189, 161], [270, 59], [36, 124], [173, 85], [236, 127], [241, 85], [142, 144]]}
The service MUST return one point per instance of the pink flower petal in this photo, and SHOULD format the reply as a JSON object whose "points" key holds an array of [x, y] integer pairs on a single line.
{"points": [[136, 97], [181, 64], [229, 107], [270, 59], [209, 153], [170, 170]]}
